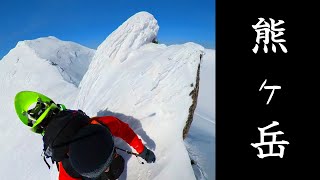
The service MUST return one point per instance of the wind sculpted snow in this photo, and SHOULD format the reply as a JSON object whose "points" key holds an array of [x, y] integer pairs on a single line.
{"points": [[138, 30], [150, 83], [71, 59], [146, 85]]}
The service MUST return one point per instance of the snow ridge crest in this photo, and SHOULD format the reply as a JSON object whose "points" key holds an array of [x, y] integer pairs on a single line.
{"points": [[140, 29], [71, 59]]}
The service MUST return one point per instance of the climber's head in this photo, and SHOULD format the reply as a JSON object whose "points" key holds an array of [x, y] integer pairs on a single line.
{"points": [[92, 150]]}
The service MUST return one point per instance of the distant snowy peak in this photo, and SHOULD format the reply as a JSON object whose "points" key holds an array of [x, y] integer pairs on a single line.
{"points": [[140, 29], [71, 59]]}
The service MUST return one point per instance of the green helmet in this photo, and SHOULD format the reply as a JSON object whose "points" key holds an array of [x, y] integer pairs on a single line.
{"points": [[33, 116]]}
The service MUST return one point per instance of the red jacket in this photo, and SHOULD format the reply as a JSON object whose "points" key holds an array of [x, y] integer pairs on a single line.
{"points": [[118, 129]]}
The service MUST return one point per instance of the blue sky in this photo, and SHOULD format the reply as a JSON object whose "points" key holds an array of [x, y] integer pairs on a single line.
{"points": [[89, 22]]}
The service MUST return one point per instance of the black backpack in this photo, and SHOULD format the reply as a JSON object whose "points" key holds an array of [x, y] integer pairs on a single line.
{"points": [[59, 133]]}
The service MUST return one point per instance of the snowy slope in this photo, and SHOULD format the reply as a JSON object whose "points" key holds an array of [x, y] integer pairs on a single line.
{"points": [[138, 30], [200, 142], [71, 59], [146, 85], [28, 67]]}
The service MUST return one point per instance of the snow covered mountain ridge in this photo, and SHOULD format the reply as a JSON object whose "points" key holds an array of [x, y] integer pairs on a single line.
{"points": [[71, 59], [149, 86]]}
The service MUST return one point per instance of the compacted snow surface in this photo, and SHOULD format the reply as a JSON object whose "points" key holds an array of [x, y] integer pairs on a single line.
{"points": [[144, 84]]}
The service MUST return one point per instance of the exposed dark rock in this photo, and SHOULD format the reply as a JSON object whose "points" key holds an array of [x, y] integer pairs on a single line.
{"points": [[194, 95], [155, 41]]}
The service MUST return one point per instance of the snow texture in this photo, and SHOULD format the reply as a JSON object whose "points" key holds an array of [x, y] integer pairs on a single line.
{"points": [[144, 84], [71, 59], [200, 142]]}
